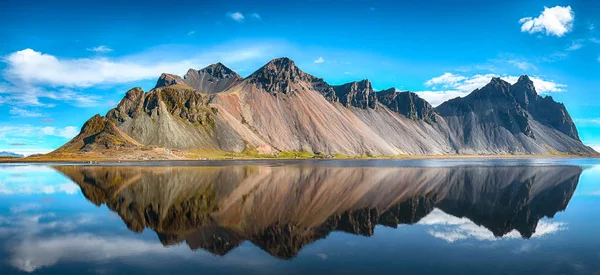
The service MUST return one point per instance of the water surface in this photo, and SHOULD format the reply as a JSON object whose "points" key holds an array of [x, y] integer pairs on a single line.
{"points": [[296, 217]]}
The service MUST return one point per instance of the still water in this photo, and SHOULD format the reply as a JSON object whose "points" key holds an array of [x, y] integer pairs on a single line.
{"points": [[302, 217]]}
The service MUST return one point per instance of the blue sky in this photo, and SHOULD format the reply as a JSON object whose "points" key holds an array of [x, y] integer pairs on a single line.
{"points": [[64, 61]]}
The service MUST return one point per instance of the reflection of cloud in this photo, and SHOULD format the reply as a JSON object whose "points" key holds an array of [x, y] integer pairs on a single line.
{"points": [[45, 239], [34, 179], [26, 207], [323, 256], [526, 248], [32, 254], [452, 229]]}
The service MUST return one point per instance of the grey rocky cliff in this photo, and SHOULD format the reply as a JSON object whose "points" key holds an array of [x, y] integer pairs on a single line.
{"points": [[358, 94], [408, 104]]}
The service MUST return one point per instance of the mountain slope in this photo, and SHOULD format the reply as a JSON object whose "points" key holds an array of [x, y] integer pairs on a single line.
{"points": [[281, 108], [505, 118]]}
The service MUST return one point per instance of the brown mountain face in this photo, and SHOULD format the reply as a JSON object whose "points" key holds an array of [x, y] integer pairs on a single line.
{"points": [[280, 108], [281, 209]]}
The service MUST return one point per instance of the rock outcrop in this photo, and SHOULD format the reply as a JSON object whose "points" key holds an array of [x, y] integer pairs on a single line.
{"points": [[281, 108], [408, 104], [358, 94]]}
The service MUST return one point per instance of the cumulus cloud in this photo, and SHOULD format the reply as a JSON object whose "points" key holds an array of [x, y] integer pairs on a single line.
{"points": [[31, 75], [435, 98], [448, 86], [553, 21], [453, 229], [100, 49], [236, 16], [319, 60]]}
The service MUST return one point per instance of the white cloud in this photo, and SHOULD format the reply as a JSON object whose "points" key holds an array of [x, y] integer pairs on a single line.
{"points": [[553, 21], [592, 27], [588, 121], [9, 133], [319, 60], [436, 98], [256, 16], [100, 49], [453, 229], [448, 86], [191, 33], [18, 112], [31, 75], [523, 65], [236, 16], [575, 45]]}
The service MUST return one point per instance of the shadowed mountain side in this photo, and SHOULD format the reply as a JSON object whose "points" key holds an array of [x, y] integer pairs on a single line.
{"points": [[282, 209], [280, 108]]}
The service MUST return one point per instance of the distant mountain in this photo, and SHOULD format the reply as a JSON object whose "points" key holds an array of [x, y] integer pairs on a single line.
{"points": [[281, 108], [10, 154]]}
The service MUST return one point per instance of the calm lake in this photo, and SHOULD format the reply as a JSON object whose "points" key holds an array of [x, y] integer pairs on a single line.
{"points": [[527, 216]]}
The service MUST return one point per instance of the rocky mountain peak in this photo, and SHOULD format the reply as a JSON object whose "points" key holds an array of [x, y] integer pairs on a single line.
{"points": [[166, 79], [524, 91], [277, 75], [214, 78], [219, 70]]}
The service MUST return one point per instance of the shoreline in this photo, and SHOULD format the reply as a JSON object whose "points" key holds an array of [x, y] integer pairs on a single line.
{"points": [[96, 160]]}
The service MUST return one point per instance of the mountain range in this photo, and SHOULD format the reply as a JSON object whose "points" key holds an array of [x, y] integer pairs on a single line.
{"points": [[10, 154], [279, 108]]}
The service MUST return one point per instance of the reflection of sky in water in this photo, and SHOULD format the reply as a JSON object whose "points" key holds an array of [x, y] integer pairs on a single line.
{"points": [[47, 226]]}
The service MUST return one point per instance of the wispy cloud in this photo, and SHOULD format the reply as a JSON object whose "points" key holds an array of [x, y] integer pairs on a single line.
{"points": [[319, 60], [19, 112], [100, 49], [523, 65], [555, 21], [575, 45], [236, 16], [191, 33], [256, 16], [9, 133]]}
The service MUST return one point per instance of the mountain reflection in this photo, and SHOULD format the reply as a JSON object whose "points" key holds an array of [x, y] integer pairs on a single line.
{"points": [[281, 209]]}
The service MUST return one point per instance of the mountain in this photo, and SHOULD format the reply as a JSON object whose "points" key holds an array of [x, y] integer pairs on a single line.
{"points": [[509, 118], [10, 154], [279, 108], [281, 209]]}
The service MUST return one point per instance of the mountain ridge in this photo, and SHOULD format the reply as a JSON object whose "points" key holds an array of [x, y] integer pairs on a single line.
{"points": [[280, 108]]}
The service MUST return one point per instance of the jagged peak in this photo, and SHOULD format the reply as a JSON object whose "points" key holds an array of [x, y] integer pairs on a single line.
{"points": [[167, 79], [218, 69], [524, 79], [279, 66]]}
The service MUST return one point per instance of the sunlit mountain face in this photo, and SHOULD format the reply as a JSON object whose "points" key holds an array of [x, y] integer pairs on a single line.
{"points": [[323, 217]]}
